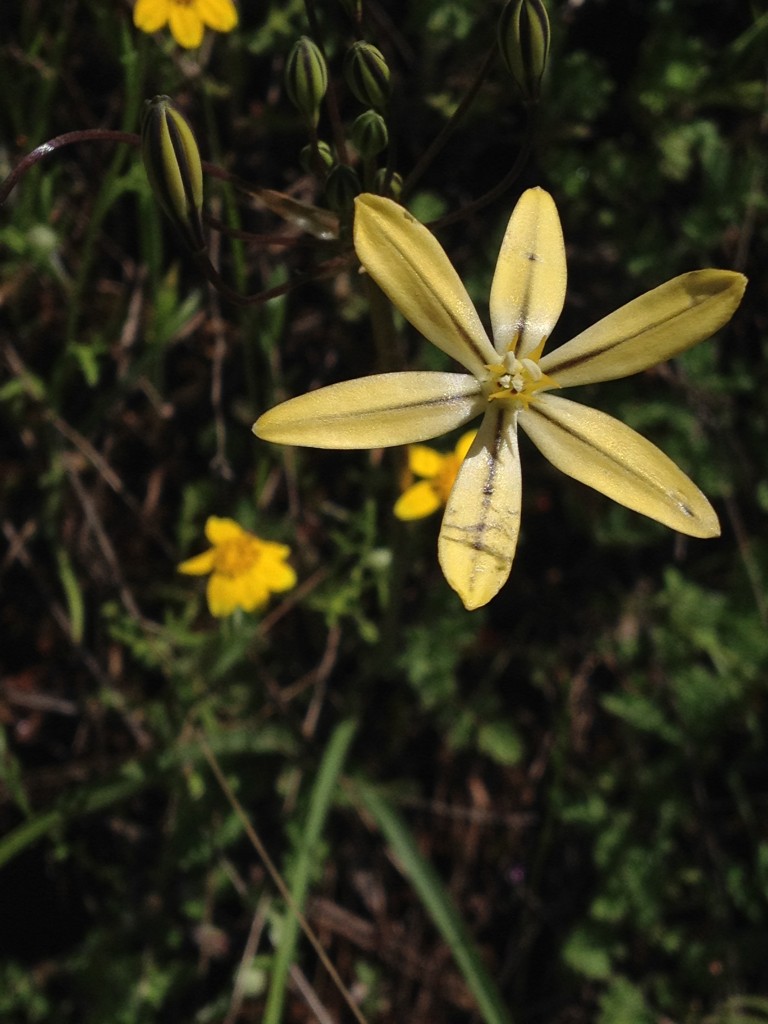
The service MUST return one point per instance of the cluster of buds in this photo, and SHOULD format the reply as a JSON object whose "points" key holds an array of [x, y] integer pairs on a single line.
{"points": [[367, 77], [172, 158]]}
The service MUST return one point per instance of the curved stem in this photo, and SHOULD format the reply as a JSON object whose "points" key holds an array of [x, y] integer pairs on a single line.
{"points": [[46, 148], [326, 269], [499, 189], [451, 124], [331, 101]]}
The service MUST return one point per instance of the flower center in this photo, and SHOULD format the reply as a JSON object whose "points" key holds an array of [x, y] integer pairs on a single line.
{"points": [[517, 380], [238, 556]]}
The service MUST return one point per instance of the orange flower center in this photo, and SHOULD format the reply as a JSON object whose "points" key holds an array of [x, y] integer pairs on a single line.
{"points": [[238, 556]]}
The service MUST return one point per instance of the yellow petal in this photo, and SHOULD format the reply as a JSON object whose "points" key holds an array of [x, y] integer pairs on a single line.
{"points": [[273, 569], [482, 518], [222, 595], [374, 412], [254, 591], [219, 530], [528, 288], [409, 265], [220, 15], [186, 26], [650, 329], [281, 578], [417, 501], [464, 444], [150, 15], [611, 457], [200, 565], [424, 461]]}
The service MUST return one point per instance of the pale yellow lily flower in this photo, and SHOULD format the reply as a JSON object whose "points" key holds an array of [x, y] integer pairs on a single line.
{"points": [[511, 383]]}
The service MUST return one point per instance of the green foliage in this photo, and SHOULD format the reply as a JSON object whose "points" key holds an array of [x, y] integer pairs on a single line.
{"points": [[574, 820]]}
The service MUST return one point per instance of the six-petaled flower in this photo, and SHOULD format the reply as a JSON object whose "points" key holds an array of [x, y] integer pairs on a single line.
{"points": [[510, 383]]}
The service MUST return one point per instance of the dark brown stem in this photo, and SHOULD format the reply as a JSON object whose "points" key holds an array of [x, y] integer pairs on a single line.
{"points": [[498, 190], [46, 148], [327, 269], [451, 124]]}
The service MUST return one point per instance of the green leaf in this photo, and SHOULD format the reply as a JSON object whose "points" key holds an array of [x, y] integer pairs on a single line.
{"points": [[437, 903]]}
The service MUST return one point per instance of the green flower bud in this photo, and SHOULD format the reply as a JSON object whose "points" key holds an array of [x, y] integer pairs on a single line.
{"points": [[524, 43], [309, 158], [341, 187], [391, 188], [306, 78], [369, 134], [172, 163], [367, 75]]}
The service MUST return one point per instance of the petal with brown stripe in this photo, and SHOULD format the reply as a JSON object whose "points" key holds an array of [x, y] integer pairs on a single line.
{"points": [[481, 524], [375, 412], [651, 329], [528, 287], [410, 266], [604, 453]]}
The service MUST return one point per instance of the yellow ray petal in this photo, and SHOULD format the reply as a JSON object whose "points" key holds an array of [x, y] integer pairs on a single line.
{"points": [[482, 518], [150, 15], [186, 27], [220, 15], [528, 288], [464, 444], [606, 454], [417, 501], [199, 565], [219, 530], [409, 265], [650, 329], [424, 461], [222, 595], [375, 412]]}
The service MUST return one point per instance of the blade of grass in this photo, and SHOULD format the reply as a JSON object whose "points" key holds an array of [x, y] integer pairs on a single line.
{"points": [[319, 805], [277, 879], [437, 903]]}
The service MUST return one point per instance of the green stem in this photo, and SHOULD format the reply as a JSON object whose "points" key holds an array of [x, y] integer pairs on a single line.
{"points": [[331, 101], [498, 190], [451, 124]]}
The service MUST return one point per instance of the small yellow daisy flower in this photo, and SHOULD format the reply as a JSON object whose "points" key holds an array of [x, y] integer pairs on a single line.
{"points": [[438, 472], [244, 569], [187, 19]]}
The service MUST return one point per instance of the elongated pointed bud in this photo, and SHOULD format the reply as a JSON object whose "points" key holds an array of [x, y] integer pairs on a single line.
{"points": [[369, 134], [367, 75], [172, 163], [306, 78], [524, 43]]}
